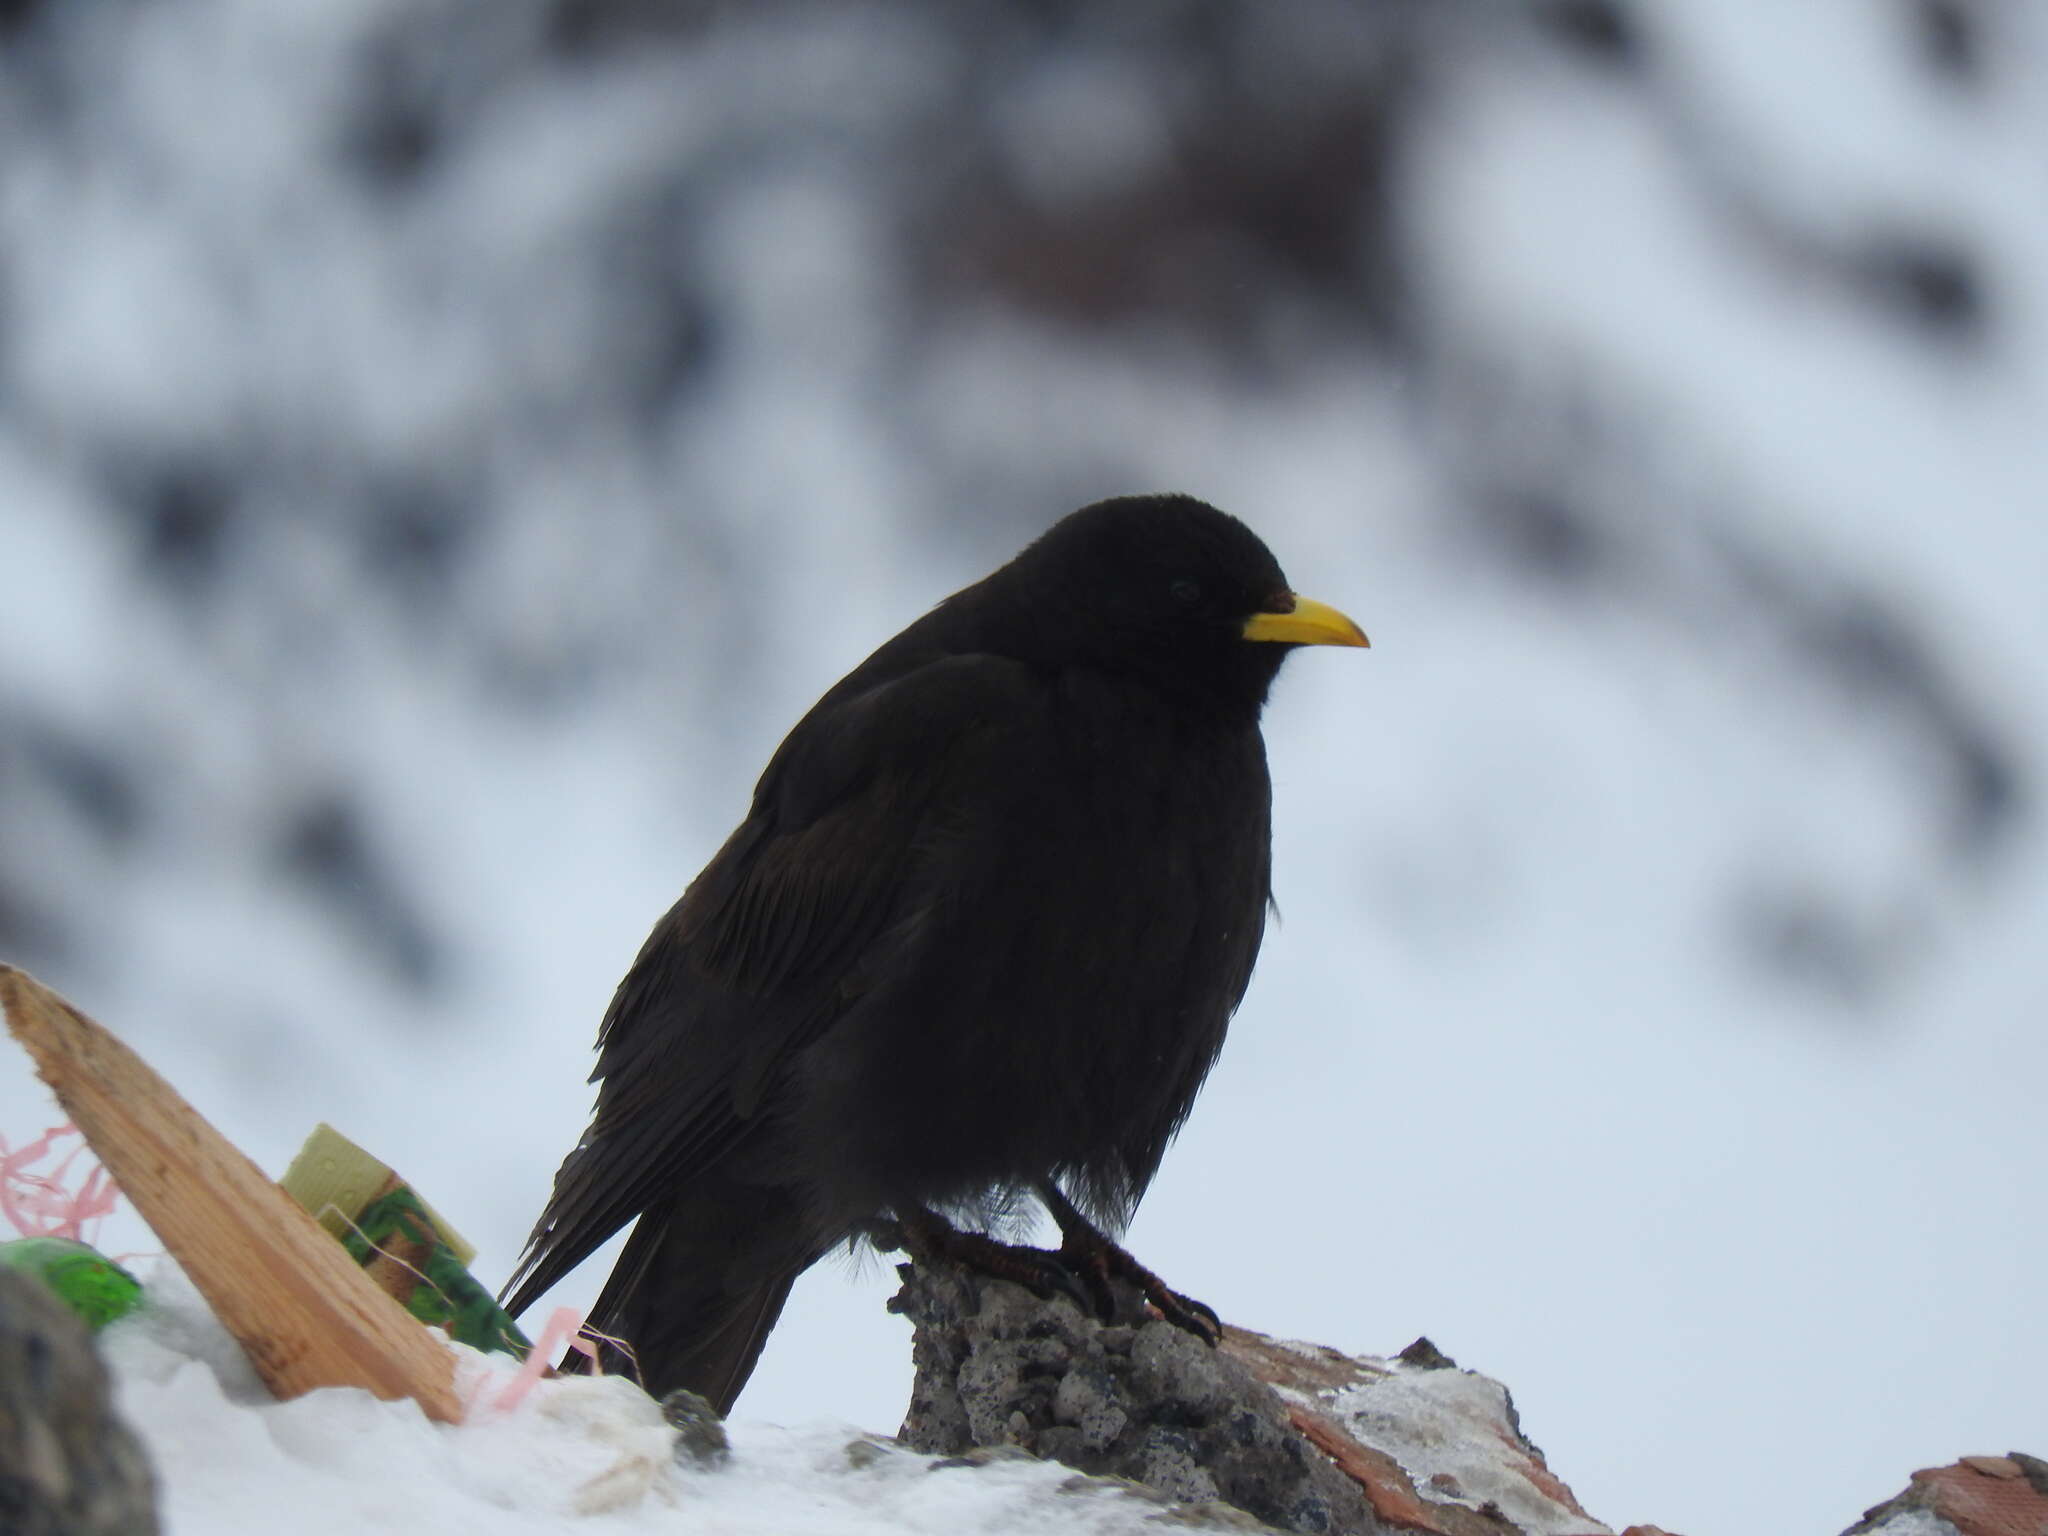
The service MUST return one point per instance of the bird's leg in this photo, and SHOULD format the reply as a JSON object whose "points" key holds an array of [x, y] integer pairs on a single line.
{"points": [[1087, 1250], [925, 1234]]}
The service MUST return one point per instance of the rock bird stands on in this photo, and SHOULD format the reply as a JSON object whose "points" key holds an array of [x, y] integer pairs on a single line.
{"points": [[980, 934]]}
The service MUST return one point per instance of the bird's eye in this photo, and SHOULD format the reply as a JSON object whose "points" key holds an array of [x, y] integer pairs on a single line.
{"points": [[1186, 593]]}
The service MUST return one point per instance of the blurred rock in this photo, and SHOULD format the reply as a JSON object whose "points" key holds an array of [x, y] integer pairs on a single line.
{"points": [[68, 1466]]}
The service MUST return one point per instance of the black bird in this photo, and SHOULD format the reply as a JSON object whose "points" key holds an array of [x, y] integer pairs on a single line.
{"points": [[979, 936]]}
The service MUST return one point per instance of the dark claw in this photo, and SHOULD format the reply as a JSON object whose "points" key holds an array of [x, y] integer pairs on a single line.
{"points": [[1188, 1315], [1056, 1279]]}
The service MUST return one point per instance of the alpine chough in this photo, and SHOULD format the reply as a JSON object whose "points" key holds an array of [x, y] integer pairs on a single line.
{"points": [[978, 937]]}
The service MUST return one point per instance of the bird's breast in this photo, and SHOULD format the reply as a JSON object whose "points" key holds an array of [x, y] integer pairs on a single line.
{"points": [[1089, 920]]}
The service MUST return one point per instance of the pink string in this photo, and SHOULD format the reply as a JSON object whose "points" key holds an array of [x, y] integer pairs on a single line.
{"points": [[37, 1204], [565, 1325]]}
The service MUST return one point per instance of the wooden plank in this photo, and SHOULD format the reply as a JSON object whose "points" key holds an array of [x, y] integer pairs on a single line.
{"points": [[289, 1293]]}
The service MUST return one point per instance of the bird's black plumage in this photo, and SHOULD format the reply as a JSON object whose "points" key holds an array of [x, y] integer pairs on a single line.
{"points": [[982, 930]]}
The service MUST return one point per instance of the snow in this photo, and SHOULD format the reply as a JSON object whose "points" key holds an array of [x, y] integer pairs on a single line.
{"points": [[1449, 1430], [572, 1452], [1913, 1522]]}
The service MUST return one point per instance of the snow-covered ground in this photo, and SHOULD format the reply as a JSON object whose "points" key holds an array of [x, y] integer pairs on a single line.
{"points": [[1655, 1018], [544, 1458]]}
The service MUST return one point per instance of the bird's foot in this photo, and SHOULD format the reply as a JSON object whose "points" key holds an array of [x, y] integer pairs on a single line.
{"points": [[1087, 1268], [1043, 1273], [1084, 1248], [1103, 1261]]}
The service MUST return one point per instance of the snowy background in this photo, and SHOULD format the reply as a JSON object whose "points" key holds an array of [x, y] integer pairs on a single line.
{"points": [[444, 447]]}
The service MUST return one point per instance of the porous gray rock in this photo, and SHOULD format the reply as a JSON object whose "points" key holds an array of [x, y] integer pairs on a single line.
{"points": [[1145, 1402], [68, 1465]]}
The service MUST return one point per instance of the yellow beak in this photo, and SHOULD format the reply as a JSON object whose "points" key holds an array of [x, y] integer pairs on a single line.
{"points": [[1308, 622]]}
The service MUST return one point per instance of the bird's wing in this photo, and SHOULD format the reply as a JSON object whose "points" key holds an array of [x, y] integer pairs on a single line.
{"points": [[762, 952]]}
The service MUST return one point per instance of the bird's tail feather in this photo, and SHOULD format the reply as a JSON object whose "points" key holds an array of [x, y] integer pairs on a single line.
{"points": [[693, 1308]]}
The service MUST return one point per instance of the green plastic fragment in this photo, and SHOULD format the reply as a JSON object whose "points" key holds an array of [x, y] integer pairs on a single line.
{"points": [[397, 1228], [92, 1285]]}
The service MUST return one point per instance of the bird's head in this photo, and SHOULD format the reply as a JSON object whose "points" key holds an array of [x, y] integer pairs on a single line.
{"points": [[1166, 588]]}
